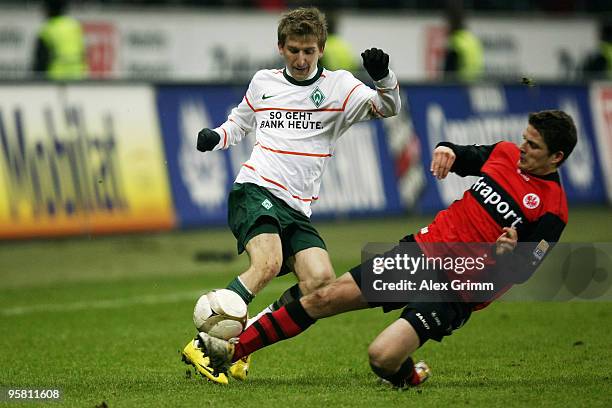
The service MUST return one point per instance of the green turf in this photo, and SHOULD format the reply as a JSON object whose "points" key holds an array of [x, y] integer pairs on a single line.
{"points": [[103, 320]]}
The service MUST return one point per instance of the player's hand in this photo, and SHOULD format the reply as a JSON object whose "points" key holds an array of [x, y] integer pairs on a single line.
{"points": [[442, 161], [376, 62], [207, 140], [506, 242]]}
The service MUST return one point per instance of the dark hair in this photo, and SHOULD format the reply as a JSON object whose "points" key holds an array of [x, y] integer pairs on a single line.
{"points": [[303, 22], [557, 129]]}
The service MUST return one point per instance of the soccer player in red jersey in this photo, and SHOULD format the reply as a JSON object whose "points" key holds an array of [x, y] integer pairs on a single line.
{"points": [[517, 198]]}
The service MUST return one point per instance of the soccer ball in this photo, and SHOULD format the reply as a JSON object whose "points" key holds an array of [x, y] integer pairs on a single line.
{"points": [[220, 313]]}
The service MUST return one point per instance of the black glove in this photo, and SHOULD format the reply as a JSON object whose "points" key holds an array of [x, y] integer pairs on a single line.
{"points": [[376, 62], [207, 140]]}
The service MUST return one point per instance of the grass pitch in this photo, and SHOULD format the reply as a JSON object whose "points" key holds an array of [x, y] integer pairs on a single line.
{"points": [[103, 319]]}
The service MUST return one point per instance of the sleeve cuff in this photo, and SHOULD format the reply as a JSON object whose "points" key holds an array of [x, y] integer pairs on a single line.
{"points": [[222, 139], [388, 82], [447, 144]]}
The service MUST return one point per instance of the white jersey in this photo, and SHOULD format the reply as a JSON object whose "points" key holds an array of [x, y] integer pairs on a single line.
{"points": [[297, 125]]}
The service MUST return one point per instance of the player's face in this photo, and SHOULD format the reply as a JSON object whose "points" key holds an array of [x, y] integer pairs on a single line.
{"points": [[301, 55], [535, 157]]}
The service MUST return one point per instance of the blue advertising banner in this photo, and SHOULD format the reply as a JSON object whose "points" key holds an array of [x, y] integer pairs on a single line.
{"points": [[199, 182], [487, 114], [359, 180]]}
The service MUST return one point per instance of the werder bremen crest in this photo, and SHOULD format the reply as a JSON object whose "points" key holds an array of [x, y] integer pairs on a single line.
{"points": [[317, 97]]}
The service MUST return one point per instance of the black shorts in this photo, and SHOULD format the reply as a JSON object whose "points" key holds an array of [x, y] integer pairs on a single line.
{"points": [[431, 320], [436, 320]]}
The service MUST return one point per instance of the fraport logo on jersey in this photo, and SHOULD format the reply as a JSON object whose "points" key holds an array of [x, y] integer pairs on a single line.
{"points": [[493, 202], [317, 97], [266, 204], [531, 201]]}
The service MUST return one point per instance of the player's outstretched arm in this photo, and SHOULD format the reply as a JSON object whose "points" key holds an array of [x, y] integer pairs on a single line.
{"points": [[239, 123], [461, 160], [365, 103], [207, 140]]}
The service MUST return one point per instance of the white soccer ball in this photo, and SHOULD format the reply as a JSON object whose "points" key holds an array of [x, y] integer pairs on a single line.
{"points": [[220, 313]]}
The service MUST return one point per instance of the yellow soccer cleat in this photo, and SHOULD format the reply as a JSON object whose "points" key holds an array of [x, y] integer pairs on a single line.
{"points": [[240, 369], [219, 351], [194, 356]]}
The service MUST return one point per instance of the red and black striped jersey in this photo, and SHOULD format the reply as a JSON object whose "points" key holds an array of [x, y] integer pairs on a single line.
{"points": [[502, 196]]}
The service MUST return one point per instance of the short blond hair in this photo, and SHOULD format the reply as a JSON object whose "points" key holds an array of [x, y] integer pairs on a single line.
{"points": [[303, 22]]}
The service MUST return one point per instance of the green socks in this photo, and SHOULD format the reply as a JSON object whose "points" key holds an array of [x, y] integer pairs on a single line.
{"points": [[237, 286]]}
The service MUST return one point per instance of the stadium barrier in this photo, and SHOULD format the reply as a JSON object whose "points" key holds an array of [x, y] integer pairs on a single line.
{"points": [[101, 158], [81, 159]]}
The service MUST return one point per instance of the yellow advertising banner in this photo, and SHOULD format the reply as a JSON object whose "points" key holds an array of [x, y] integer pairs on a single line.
{"points": [[81, 159]]}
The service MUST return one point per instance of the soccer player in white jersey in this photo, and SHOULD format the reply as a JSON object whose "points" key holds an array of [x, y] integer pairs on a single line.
{"points": [[297, 113]]}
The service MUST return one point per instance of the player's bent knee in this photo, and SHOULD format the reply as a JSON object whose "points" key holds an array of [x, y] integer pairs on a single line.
{"points": [[328, 276], [380, 360], [319, 302], [331, 299], [317, 283]]}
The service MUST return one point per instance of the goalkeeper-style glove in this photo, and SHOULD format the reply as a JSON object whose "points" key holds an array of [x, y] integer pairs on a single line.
{"points": [[376, 62], [207, 140]]}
